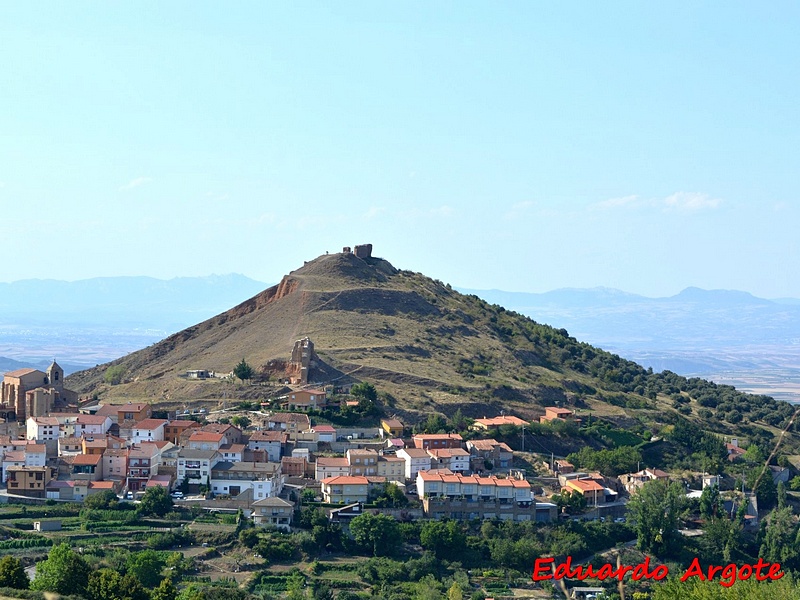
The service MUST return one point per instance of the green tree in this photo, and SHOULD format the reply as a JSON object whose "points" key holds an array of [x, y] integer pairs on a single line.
{"points": [[379, 533], [156, 501], [105, 584], [429, 588], [322, 592], [459, 422], [389, 495], [710, 502], [12, 573], [766, 491], [165, 591], [365, 391], [295, 586], [693, 589], [243, 371], [240, 421], [780, 538], [106, 499], [455, 593], [654, 511], [722, 538], [434, 424], [445, 539], [248, 538], [64, 571], [146, 566], [113, 374]]}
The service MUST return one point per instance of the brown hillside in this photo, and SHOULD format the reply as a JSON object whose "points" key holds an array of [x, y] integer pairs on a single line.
{"points": [[406, 333], [426, 345]]}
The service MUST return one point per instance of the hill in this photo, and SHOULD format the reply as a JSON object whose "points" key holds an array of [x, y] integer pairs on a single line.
{"points": [[427, 346]]}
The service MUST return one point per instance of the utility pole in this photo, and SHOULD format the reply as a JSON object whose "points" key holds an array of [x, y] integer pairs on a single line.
{"points": [[523, 438]]}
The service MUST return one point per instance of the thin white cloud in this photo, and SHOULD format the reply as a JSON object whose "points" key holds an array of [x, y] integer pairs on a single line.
{"points": [[691, 201], [518, 210], [625, 201], [134, 183], [374, 212], [442, 211], [2, 184], [679, 201]]}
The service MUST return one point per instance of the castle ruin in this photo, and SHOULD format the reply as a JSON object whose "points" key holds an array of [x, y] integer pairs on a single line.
{"points": [[302, 354], [361, 251]]}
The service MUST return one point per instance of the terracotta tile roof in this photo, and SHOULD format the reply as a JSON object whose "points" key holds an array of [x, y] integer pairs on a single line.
{"points": [[221, 428], [143, 451], [269, 436], [107, 410], [96, 443], [315, 392], [91, 420], [447, 452], [585, 485], [324, 429], [232, 448], [21, 372], [345, 480], [483, 444], [160, 444], [150, 424], [289, 418], [385, 458], [131, 407], [101, 485], [87, 459], [325, 461], [558, 411], [416, 452], [502, 420], [206, 436]]}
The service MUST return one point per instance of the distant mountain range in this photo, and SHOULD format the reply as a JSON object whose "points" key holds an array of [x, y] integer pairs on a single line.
{"points": [[694, 332], [83, 323]]}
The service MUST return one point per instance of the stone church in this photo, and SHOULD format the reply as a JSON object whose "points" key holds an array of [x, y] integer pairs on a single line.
{"points": [[33, 393]]}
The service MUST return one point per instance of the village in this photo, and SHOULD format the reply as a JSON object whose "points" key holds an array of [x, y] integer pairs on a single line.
{"points": [[264, 461], [305, 480]]}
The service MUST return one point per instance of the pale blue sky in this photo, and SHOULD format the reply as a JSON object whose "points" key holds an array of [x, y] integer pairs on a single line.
{"points": [[521, 146]]}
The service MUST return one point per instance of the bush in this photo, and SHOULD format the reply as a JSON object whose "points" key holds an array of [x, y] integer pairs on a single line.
{"points": [[114, 374]]}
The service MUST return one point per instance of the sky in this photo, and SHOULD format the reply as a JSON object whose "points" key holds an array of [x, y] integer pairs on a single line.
{"points": [[520, 146]]}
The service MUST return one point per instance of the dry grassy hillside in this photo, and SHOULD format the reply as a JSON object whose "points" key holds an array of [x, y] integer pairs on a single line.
{"points": [[428, 346], [405, 332]]}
